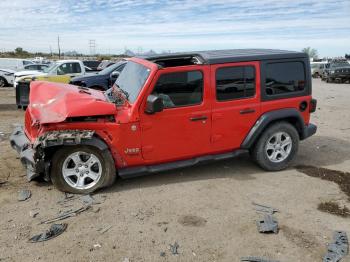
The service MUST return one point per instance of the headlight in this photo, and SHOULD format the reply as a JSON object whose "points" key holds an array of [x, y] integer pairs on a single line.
{"points": [[332, 71]]}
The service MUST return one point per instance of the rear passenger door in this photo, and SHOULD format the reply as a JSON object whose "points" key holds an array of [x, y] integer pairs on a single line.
{"points": [[236, 103]]}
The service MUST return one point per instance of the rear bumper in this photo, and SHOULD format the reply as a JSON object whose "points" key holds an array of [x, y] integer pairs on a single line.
{"points": [[309, 130], [22, 145]]}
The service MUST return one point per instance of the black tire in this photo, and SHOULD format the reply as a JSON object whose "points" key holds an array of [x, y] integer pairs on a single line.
{"points": [[259, 152], [106, 179], [3, 82]]}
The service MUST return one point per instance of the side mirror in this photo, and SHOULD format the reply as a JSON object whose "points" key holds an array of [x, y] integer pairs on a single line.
{"points": [[154, 104], [115, 74]]}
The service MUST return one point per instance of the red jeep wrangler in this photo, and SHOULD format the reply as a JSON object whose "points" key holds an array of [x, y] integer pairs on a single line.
{"points": [[166, 112]]}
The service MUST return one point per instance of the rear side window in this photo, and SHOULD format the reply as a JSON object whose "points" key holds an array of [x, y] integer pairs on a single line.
{"points": [[235, 82], [180, 88], [285, 77]]}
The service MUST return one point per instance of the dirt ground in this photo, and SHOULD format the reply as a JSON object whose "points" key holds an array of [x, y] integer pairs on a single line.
{"points": [[207, 210]]}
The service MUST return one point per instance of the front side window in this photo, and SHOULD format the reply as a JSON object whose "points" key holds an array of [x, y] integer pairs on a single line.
{"points": [[235, 82], [69, 68], [180, 88], [284, 77]]}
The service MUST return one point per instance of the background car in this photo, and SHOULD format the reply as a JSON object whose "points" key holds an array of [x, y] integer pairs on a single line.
{"points": [[36, 67], [104, 64], [92, 64], [101, 80]]}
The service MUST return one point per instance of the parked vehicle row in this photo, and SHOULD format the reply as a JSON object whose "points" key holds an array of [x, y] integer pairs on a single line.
{"points": [[166, 112], [332, 71]]}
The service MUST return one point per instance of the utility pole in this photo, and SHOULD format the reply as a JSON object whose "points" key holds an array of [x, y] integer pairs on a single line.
{"points": [[59, 47], [92, 45]]}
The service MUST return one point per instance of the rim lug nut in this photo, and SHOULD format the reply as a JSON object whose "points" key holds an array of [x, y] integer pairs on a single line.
{"points": [[87, 172]]}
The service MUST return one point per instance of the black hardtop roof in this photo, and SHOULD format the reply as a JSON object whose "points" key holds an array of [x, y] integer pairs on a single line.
{"points": [[231, 55]]}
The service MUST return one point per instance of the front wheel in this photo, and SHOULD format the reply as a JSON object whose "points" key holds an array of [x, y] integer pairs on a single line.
{"points": [[276, 147], [3, 82], [82, 169]]}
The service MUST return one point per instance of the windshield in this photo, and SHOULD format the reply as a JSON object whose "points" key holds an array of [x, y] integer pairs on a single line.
{"points": [[110, 69], [129, 82], [50, 68]]}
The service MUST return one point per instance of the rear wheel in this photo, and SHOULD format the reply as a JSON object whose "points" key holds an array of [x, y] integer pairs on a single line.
{"points": [[276, 147], [82, 169]]}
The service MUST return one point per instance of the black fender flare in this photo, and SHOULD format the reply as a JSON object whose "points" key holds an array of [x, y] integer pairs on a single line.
{"points": [[289, 115]]}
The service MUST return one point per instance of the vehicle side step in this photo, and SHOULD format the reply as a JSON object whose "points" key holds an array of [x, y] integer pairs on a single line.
{"points": [[144, 170]]}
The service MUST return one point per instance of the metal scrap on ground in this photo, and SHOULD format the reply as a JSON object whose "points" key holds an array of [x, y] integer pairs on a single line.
{"points": [[338, 249], [174, 248], [65, 215], [267, 225], [256, 259], [24, 194], [264, 209], [54, 231], [89, 200]]}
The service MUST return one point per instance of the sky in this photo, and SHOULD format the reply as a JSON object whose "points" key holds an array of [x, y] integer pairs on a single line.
{"points": [[177, 25]]}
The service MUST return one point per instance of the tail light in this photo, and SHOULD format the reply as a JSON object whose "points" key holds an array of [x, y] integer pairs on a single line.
{"points": [[313, 105]]}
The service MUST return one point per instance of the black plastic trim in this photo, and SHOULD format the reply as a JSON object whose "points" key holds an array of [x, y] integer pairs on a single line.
{"points": [[308, 79], [144, 170], [270, 117]]}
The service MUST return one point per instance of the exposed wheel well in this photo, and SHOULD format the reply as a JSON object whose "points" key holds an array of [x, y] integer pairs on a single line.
{"points": [[294, 121]]}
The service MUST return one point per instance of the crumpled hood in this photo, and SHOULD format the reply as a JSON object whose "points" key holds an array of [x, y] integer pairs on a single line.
{"points": [[54, 102]]}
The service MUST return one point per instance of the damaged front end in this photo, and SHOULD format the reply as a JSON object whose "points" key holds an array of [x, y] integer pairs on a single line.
{"points": [[32, 155]]}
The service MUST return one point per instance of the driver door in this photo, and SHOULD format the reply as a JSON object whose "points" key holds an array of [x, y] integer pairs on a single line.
{"points": [[182, 129]]}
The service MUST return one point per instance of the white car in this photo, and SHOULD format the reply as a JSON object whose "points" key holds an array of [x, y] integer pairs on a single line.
{"points": [[55, 73], [6, 77]]}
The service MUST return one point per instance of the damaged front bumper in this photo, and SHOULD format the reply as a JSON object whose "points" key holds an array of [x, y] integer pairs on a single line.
{"points": [[20, 142]]}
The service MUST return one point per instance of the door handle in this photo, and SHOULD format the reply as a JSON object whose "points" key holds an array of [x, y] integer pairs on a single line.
{"points": [[198, 118], [247, 111]]}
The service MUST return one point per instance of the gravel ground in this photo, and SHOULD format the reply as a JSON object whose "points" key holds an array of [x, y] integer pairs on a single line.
{"points": [[207, 210]]}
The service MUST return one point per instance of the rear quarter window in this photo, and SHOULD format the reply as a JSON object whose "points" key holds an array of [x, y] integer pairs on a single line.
{"points": [[285, 77]]}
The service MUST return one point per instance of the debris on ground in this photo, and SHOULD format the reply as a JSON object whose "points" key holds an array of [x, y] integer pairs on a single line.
{"points": [[126, 259], [162, 254], [174, 248], [33, 213], [264, 209], [24, 194], [338, 249], [256, 259], [336, 176], [97, 246], [66, 214], [267, 225], [190, 220], [54, 231], [104, 230], [88, 200], [334, 208], [2, 183]]}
